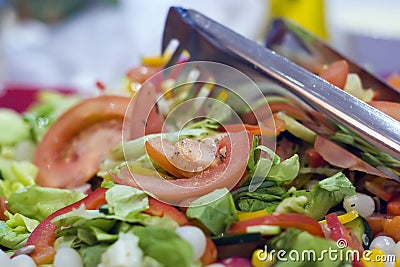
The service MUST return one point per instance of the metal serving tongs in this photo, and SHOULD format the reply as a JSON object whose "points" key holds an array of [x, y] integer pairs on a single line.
{"points": [[307, 50], [207, 40]]}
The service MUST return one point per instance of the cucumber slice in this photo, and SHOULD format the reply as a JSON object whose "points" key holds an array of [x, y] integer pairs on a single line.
{"points": [[361, 229]]}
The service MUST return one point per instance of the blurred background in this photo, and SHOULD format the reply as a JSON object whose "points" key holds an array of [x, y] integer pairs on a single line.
{"points": [[74, 43]]}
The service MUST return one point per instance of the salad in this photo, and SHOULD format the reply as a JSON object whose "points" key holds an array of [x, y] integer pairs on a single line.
{"points": [[127, 178]]}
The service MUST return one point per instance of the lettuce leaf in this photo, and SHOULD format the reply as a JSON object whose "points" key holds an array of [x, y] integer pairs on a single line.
{"points": [[49, 107], [14, 128], [124, 200], [316, 203], [15, 231], [160, 244], [15, 175], [39, 202], [216, 210]]}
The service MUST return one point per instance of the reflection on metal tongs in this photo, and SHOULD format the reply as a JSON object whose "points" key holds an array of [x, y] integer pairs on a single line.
{"points": [[207, 40]]}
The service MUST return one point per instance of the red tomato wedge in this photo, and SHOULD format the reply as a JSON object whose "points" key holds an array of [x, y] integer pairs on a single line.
{"points": [[78, 141], [340, 157], [284, 220], [143, 116], [336, 73], [161, 209], [393, 207], [44, 235], [391, 109], [271, 126], [180, 191]]}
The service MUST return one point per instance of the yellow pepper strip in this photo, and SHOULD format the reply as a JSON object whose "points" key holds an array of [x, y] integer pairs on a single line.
{"points": [[243, 216], [374, 258], [261, 258], [345, 218], [156, 61]]}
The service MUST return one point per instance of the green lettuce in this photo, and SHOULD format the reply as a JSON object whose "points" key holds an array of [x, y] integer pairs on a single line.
{"points": [[267, 196], [311, 250], [15, 231], [123, 200], [39, 202], [14, 128], [316, 203], [216, 211], [269, 168], [160, 244], [92, 232], [15, 175], [49, 107]]}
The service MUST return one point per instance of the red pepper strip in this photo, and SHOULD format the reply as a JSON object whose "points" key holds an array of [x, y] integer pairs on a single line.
{"points": [[342, 236], [160, 209], [44, 235], [284, 220], [3, 208]]}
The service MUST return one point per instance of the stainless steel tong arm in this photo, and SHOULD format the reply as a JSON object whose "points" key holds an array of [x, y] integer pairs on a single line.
{"points": [[372, 125]]}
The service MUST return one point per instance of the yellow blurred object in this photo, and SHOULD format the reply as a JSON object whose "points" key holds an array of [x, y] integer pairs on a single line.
{"points": [[307, 13], [374, 258], [261, 258], [397, 263], [345, 218], [154, 61], [243, 216]]}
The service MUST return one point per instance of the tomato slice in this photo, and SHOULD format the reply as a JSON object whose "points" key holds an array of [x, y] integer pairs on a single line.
{"points": [[393, 207], [271, 126], [389, 108], [78, 141], [336, 73], [340, 157], [182, 191], [143, 115], [314, 159], [284, 220], [44, 235], [160, 209], [187, 157]]}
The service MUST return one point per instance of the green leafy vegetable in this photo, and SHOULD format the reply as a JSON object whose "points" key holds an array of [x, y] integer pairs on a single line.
{"points": [[16, 175], [39, 202], [15, 231], [304, 249], [165, 246], [49, 107], [267, 196], [315, 203], [14, 128], [124, 200], [216, 210]]}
